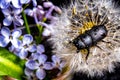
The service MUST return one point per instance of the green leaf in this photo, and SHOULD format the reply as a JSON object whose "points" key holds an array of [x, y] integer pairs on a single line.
{"points": [[2, 73], [1, 78], [10, 64]]}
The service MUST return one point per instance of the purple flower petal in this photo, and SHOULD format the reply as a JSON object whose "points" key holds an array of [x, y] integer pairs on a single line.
{"points": [[40, 7], [18, 21], [27, 39], [7, 0], [3, 42], [5, 32], [16, 33], [17, 10], [24, 1], [42, 59], [41, 12], [16, 43], [31, 64], [32, 48], [49, 14], [23, 54], [16, 3], [11, 48], [17, 51], [4, 4], [40, 49], [6, 12], [28, 72], [47, 4], [29, 12], [55, 59], [34, 2], [48, 66], [57, 9], [40, 73], [7, 21], [34, 56]]}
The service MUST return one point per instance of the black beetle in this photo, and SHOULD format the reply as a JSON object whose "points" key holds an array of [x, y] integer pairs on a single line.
{"points": [[90, 38]]}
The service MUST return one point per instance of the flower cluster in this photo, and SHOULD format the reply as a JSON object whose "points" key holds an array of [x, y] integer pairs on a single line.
{"points": [[23, 44], [38, 64], [40, 15]]}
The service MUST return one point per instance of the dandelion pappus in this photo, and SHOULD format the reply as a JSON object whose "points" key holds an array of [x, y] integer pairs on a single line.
{"points": [[87, 29]]}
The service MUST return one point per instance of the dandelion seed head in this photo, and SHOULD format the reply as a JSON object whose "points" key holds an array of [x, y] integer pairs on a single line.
{"points": [[81, 16]]}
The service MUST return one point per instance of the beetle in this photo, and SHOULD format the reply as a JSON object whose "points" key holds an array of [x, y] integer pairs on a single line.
{"points": [[90, 38]]}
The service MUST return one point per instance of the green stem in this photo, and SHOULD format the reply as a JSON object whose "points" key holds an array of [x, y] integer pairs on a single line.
{"points": [[25, 6], [40, 28], [26, 23]]}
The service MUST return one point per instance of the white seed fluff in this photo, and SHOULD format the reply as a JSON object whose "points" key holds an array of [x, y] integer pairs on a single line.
{"points": [[67, 27]]}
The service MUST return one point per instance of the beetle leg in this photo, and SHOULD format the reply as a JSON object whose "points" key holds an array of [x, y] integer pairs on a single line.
{"points": [[77, 50], [87, 54]]}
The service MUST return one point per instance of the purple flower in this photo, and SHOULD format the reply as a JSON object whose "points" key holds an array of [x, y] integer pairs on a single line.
{"points": [[29, 73], [12, 15], [31, 64], [34, 2], [8, 36], [57, 62], [37, 12], [26, 46], [15, 3], [48, 30], [51, 8], [39, 66], [39, 51]]}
